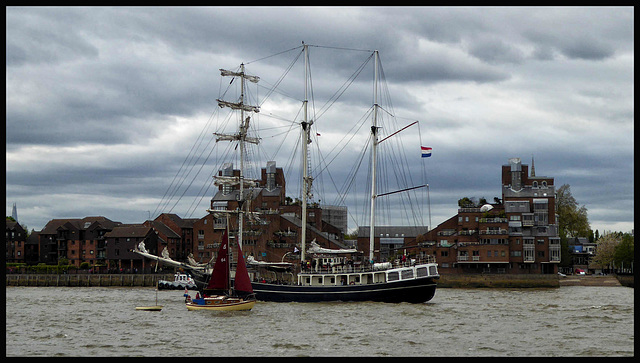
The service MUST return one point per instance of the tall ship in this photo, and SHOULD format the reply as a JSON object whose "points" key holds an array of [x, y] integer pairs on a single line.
{"points": [[320, 273]]}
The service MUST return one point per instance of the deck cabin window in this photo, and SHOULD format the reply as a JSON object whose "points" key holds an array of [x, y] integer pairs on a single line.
{"points": [[407, 274], [393, 276], [433, 270]]}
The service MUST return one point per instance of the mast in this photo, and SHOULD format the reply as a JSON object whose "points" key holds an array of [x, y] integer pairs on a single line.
{"points": [[241, 137], [374, 136], [306, 180]]}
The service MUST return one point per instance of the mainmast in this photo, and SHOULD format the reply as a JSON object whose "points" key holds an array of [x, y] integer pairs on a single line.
{"points": [[241, 137], [374, 136], [306, 179]]}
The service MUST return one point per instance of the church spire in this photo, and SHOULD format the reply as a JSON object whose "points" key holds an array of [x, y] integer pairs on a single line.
{"points": [[14, 212], [533, 168]]}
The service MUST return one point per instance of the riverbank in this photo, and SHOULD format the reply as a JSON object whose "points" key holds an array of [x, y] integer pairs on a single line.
{"points": [[528, 281], [86, 280], [498, 280], [589, 280]]}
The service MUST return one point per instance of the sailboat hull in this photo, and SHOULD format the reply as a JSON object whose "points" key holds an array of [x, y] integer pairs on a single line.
{"points": [[150, 308], [217, 305], [412, 291]]}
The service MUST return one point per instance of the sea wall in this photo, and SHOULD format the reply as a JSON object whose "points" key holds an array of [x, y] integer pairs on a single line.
{"points": [[498, 280], [626, 280], [85, 279]]}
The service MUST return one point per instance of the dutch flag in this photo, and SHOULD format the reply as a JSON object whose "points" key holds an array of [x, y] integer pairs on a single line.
{"points": [[426, 151]]}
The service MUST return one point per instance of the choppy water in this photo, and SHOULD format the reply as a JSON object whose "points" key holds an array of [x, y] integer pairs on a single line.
{"points": [[95, 321]]}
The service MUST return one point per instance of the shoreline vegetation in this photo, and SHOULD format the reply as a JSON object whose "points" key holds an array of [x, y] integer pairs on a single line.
{"points": [[445, 281]]}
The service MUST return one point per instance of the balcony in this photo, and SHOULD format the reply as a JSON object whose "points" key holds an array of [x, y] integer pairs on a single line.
{"points": [[493, 220], [467, 232], [493, 231]]}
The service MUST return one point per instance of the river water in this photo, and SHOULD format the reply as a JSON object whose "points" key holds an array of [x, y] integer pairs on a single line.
{"points": [[102, 321]]}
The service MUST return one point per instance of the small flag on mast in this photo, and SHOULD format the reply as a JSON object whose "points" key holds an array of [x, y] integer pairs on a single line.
{"points": [[426, 151]]}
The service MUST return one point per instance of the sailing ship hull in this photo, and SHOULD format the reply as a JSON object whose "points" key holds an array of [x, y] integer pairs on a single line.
{"points": [[412, 291]]}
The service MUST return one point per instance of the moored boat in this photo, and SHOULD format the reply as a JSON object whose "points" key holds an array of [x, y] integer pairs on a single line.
{"points": [[155, 307], [413, 281], [220, 295], [180, 282]]}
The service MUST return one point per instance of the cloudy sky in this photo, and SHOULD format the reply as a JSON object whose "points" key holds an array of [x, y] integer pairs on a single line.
{"points": [[106, 105]]}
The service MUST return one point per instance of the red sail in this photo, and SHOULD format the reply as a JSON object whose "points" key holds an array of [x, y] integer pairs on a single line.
{"points": [[220, 276], [242, 283]]}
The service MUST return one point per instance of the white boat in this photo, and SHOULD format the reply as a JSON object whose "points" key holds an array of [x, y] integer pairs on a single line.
{"points": [[181, 281]]}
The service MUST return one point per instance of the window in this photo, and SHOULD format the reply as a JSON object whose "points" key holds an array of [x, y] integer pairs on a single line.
{"points": [[407, 274], [444, 253], [488, 253], [421, 272]]}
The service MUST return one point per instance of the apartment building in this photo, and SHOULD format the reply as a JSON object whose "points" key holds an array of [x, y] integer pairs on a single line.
{"points": [[77, 240], [517, 235], [15, 241]]}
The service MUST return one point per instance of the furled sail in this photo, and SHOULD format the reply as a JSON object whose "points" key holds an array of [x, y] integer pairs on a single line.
{"points": [[315, 248]]}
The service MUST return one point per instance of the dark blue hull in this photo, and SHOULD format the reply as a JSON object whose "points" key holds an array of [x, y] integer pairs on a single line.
{"points": [[412, 291]]}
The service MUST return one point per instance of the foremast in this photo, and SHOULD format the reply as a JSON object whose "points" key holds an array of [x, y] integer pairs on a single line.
{"points": [[242, 137]]}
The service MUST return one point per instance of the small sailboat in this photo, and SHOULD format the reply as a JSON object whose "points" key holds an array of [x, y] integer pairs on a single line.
{"points": [[219, 295], [155, 307]]}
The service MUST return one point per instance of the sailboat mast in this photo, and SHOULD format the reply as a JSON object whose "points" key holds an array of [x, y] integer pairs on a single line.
{"points": [[374, 136], [306, 181]]}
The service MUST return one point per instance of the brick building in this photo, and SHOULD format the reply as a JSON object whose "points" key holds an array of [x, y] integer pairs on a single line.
{"points": [[518, 235], [122, 239], [272, 232], [77, 240], [15, 241]]}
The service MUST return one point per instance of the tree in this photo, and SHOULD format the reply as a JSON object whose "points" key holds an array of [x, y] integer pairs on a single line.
{"points": [[605, 251], [466, 202], [623, 255], [573, 220]]}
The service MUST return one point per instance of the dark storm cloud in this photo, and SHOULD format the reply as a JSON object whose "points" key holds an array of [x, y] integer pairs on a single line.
{"points": [[104, 103]]}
